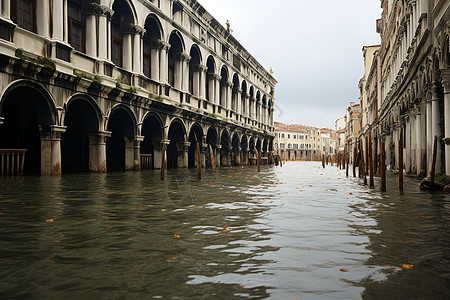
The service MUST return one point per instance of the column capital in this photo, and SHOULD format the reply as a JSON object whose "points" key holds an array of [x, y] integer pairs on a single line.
{"points": [[229, 84], [446, 80], [202, 68], [214, 76], [163, 45], [98, 9]]}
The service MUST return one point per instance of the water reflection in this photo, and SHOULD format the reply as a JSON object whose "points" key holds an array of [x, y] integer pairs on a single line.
{"points": [[297, 231]]}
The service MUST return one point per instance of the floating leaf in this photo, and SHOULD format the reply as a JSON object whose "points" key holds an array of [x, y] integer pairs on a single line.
{"points": [[420, 217], [408, 267], [170, 257], [177, 236], [343, 270], [49, 220]]}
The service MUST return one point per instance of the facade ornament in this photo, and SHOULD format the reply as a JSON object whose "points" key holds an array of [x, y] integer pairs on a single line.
{"points": [[163, 45], [98, 9], [446, 81]]}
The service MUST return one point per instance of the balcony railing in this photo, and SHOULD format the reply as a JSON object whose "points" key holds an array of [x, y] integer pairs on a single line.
{"points": [[12, 162]]}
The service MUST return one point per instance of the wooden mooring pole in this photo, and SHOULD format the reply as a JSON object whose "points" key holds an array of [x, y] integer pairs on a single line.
{"points": [[323, 161], [346, 161], [354, 161], [163, 158], [433, 164], [213, 160], [383, 167], [400, 161]]}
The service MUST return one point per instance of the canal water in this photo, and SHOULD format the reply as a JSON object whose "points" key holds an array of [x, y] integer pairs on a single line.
{"points": [[296, 232]]}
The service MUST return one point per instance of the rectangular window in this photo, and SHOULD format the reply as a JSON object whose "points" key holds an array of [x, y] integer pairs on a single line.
{"points": [[76, 25], [147, 61], [22, 13]]}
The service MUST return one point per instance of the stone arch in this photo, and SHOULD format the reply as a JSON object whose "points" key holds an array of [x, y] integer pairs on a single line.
{"points": [[195, 135], [234, 94], [244, 150], [258, 106], [210, 72], [211, 140], [176, 53], [243, 98], [194, 70], [251, 106], [265, 147], [83, 121], [264, 109], [119, 147], [176, 154], [152, 131], [30, 117], [122, 22], [225, 154], [224, 73], [153, 35]]}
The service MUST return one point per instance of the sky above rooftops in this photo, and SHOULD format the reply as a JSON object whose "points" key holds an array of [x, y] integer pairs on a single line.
{"points": [[314, 48]]}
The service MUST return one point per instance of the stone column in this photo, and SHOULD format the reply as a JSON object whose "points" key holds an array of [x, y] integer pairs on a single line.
{"points": [[217, 90], [42, 23], [127, 51], [238, 155], [137, 33], [407, 144], [51, 149], [239, 103], [97, 151], [185, 59], [129, 153], [104, 28], [429, 136], [195, 81], [419, 138], [446, 84], [91, 30], [203, 151], [155, 52], [218, 155], [183, 155], [202, 70], [57, 19], [435, 129], [6, 9], [229, 89], [163, 61]]}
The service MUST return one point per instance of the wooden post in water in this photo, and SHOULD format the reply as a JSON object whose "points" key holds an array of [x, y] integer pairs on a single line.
{"points": [[163, 158], [213, 160], [323, 161], [383, 167], [347, 159], [433, 164], [400, 161], [354, 161], [258, 156], [363, 164], [199, 163], [371, 183], [367, 157], [344, 158]]}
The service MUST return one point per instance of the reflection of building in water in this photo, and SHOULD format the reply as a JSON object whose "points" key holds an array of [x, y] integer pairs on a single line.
{"points": [[405, 90], [96, 85], [300, 142]]}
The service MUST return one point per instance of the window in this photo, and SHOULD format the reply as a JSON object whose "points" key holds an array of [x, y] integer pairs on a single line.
{"points": [[289, 136], [282, 145], [76, 25], [282, 135], [22, 13], [116, 53], [147, 59]]}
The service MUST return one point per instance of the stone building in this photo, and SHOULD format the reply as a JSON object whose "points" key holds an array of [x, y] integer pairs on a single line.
{"points": [[96, 85], [352, 127], [407, 89], [300, 142]]}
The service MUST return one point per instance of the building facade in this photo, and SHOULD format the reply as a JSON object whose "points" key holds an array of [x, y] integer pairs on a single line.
{"points": [[300, 142], [96, 85], [406, 91]]}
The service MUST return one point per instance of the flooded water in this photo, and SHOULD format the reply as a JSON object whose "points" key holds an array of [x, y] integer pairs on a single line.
{"points": [[296, 232]]}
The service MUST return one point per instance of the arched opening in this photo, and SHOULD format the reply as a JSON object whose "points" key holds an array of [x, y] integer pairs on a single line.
{"points": [[196, 135], [223, 87], [174, 64], [251, 113], [211, 140], [122, 127], [152, 143], [234, 95], [258, 145], [235, 156], [121, 37], [265, 147], [264, 110], [258, 107], [252, 153], [243, 99], [26, 109], [81, 120], [152, 36], [194, 71], [244, 150], [225, 159], [211, 69], [175, 150]]}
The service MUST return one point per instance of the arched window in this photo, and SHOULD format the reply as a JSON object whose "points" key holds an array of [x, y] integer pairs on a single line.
{"points": [[122, 17], [152, 36]]}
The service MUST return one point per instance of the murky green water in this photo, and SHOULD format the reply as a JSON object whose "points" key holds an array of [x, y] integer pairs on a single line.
{"points": [[297, 232]]}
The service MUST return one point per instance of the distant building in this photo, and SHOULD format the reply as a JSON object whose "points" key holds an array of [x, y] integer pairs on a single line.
{"points": [[300, 142]]}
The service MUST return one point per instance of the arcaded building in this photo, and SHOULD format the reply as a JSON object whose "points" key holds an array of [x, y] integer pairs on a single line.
{"points": [[96, 85], [405, 91]]}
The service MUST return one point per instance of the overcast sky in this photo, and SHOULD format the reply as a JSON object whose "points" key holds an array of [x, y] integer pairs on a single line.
{"points": [[314, 48]]}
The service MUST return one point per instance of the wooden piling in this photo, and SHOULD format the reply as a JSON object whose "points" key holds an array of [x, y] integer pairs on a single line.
{"points": [[347, 162], [213, 161], [258, 157], [323, 161], [199, 163], [433, 164], [400, 162], [363, 164], [366, 162], [383, 167], [371, 183], [354, 161]]}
